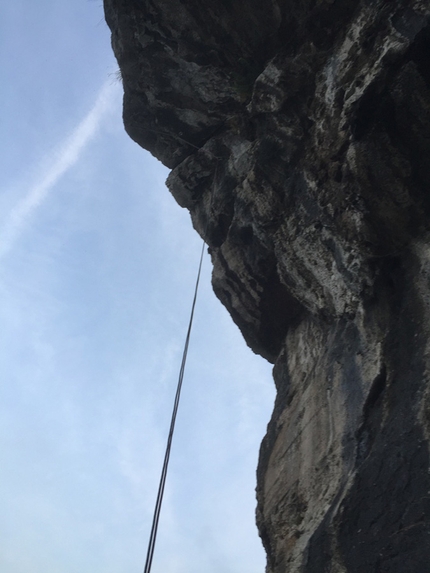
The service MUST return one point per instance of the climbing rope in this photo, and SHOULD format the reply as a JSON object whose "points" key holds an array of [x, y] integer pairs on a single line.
{"points": [[157, 510]]}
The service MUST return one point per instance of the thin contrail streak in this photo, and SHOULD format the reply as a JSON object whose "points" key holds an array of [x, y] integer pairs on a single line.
{"points": [[68, 155]]}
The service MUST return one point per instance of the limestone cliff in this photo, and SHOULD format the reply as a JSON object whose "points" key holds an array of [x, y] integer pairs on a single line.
{"points": [[298, 134]]}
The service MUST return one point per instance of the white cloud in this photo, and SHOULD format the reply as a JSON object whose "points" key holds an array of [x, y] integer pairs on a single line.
{"points": [[67, 155]]}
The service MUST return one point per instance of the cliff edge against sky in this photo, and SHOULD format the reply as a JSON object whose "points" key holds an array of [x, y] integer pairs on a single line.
{"points": [[298, 134]]}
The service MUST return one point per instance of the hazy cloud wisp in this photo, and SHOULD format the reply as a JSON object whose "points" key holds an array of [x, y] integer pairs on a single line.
{"points": [[68, 155]]}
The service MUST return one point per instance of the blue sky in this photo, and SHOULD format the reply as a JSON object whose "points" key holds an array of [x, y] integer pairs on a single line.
{"points": [[97, 268]]}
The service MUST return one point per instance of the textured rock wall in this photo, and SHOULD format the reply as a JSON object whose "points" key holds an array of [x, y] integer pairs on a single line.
{"points": [[298, 134]]}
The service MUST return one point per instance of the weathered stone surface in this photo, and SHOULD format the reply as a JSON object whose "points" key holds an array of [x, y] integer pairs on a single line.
{"points": [[299, 137]]}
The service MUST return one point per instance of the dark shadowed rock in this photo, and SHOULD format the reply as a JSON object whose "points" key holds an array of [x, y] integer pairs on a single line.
{"points": [[299, 138]]}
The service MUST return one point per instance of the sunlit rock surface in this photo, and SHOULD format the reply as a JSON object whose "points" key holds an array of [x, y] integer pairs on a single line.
{"points": [[298, 134]]}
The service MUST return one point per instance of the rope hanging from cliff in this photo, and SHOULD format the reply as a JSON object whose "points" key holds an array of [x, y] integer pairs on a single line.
{"points": [[157, 510]]}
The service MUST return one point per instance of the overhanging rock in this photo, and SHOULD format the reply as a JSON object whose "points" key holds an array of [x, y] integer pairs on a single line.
{"points": [[298, 134]]}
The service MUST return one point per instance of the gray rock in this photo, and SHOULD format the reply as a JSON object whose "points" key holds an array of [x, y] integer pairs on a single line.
{"points": [[298, 134]]}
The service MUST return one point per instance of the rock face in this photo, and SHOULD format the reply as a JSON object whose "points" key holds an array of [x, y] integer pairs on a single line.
{"points": [[298, 134]]}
